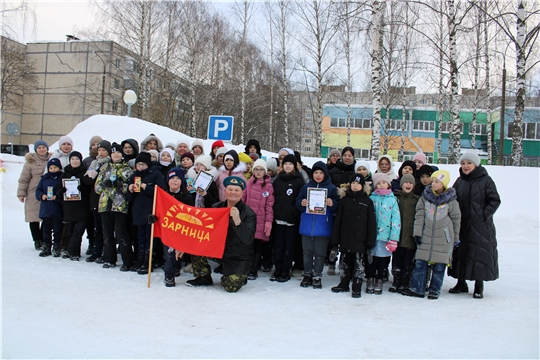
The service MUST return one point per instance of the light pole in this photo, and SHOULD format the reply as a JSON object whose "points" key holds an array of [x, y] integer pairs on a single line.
{"points": [[130, 98], [503, 108]]}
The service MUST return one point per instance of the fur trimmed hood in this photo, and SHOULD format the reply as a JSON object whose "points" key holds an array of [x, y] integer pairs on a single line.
{"points": [[444, 198], [31, 157]]}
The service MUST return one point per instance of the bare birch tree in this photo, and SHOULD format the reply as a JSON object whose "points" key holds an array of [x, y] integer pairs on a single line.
{"points": [[378, 8]]}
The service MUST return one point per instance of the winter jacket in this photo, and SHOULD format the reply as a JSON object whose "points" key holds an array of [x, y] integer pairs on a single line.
{"points": [[143, 201], [341, 173], [31, 174], [183, 196], [476, 258], [260, 199], [76, 210], [314, 224], [62, 156], [96, 165], [151, 137], [437, 221], [237, 171], [388, 221], [50, 208], [407, 210], [135, 145], [113, 197], [212, 194], [355, 226], [286, 189], [238, 252]]}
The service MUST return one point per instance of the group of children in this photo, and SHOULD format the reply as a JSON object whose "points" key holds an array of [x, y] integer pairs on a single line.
{"points": [[334, 208]]}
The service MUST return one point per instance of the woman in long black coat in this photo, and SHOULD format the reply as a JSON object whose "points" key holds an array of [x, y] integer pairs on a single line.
{"points": [[476, 257]]}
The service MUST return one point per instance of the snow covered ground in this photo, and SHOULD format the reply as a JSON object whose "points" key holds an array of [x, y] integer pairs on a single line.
{"points": [[56, 308]]}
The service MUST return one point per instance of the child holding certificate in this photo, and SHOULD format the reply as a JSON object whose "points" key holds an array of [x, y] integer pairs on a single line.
{"points": [[318, 201]]}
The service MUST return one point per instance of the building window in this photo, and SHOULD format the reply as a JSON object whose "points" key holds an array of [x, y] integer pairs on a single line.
{"points": [[309, 115], [480, 129], [423, 102], [307, 148], [309, 124], [364, 153], [115, 105], [117, 63], [367, 124], [307, 140], [116, 84], [447, 126], [308, 132]]}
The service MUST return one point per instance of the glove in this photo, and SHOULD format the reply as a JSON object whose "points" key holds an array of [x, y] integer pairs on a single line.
{"points": [[151, 219], [457, 244], [333, 254], [267, 228], [106, 183], [391, 245], [418, 240], [119, 184]]}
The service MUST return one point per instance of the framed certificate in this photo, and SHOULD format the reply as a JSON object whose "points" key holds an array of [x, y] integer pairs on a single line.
{"points": [[203, 181], [316, 198], [72, 192]]}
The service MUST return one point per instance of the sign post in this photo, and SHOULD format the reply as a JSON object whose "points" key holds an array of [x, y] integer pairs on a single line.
{"points": [[220, 127], [12, 129]]}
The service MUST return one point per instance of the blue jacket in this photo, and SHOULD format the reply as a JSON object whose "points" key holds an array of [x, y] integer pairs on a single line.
{"points": [[50, 208], [312, 224], [142, 201]]}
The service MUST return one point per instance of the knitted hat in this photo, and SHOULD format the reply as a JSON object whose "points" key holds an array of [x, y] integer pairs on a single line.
{"points": [[221, 150], [377, 177], [176, 172], [54, 161], [131, 163], [185, 141], [234, 155], [171, 145], [424, 170], [188, 155], [357, 178], [234, 180], [95, 139], [143, 157], [471, 156], [289, 151], [205, 160], [169, 151], [75, 154], [254, 156], [409, 163], [116, 147], [243, 157], [290, 158], [197, 142], [272, 164], [334, 152], [362, 163], [443, 176], [153, 152], [407, 178], [218, 143], [319, 165], [261, 163], [40, 142], [421, 157], [65, 139], [104, 144]]}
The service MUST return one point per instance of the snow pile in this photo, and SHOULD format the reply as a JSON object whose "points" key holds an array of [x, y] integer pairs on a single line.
{"points": [[56, 308]]}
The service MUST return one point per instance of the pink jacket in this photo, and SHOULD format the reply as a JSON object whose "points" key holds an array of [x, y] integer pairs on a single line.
{"points": [[261, 200]]}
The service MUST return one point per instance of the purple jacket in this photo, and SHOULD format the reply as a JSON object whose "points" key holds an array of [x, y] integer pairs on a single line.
{"points": [[261, 200]]}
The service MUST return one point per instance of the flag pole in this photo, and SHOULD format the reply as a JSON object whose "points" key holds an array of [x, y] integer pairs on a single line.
{"points": [[152, 237]]}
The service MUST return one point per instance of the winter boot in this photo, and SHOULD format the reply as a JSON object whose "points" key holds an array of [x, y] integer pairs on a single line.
{"points": [[205, 280], [331, 270], [405, 281], [478, 289], [38, 245], [409, 292], [307, 281], [370, 286], [356, 287], [317, 283], [275, 275], [56, 251], [170, 282], [252, 275], [378, 287], [396, 283], [219, 269], [284, 277], [46, 251], [343, 286], [461, 287]]}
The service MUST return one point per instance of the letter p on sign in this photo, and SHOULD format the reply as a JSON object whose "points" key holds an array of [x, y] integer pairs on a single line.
{"points": [[220, 127]]}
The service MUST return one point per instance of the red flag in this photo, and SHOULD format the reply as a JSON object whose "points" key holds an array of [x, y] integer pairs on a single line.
{"points": [[197, 231]]}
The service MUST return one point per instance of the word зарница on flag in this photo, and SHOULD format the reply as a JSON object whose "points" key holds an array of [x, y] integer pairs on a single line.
{"points": [[197, 231]]}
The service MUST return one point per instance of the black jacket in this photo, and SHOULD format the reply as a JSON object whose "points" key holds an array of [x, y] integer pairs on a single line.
{"points": [[341, 173], [142, 201], [355, 226], [476, 258], [78, 209], [238, 252], [183, 196], [286, 189]]}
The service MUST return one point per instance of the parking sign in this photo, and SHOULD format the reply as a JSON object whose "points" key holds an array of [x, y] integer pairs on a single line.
{"points": [[220, 127]]}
